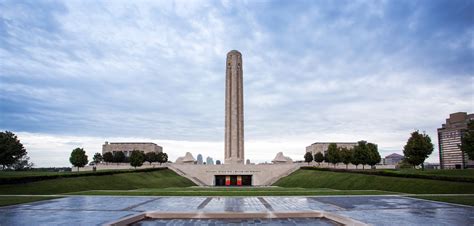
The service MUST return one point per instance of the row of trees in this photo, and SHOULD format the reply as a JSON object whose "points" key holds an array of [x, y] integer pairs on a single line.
{"points": [[416, 151], [119, 157], [79, 158], [362, 154]]}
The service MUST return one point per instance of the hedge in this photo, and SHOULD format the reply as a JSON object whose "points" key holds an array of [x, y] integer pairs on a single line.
{"points": [[28, 179], [394, 174]]}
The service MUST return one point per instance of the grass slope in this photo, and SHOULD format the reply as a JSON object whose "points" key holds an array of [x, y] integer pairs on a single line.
{"points": [[123, 181], [353, 181]]}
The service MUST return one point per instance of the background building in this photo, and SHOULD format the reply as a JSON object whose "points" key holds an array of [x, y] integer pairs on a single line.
{"points": [[323, 146], [393, 159], [127, 148], [449, 137]]}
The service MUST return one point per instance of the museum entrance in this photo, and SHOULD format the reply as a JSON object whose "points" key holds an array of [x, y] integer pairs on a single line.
{"points": [[233, 180]]}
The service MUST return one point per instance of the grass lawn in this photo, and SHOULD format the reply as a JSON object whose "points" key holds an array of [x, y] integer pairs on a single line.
{"points": [[300, 183], [465, 200], [124, 181], [12, 200], [353, 181]]}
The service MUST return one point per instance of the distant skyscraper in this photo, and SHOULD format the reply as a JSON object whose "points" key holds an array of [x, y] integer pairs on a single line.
{"points": [[218, 162], [247, 162], [199, 159], [209, 161], [234, 109], [449, 137]]}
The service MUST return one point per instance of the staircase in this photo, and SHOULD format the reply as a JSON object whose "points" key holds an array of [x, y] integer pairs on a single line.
{"points": [[288, 172], [181, 173]]}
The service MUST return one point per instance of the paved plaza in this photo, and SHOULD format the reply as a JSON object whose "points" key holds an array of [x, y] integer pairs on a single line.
{"points": [[97, 210]]}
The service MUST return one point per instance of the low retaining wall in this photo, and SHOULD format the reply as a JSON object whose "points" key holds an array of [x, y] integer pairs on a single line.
{"points": [[114, 166], [236, 215]]}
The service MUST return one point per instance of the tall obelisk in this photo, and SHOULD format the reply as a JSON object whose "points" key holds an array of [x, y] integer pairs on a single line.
{"points": [[234, 109]]}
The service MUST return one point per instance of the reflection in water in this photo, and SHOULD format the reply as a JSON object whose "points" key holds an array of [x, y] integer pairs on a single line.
{"points": [[233, 204]]}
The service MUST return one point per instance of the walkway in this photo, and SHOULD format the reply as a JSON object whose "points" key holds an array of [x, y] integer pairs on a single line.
{"points": [[97, 210]]}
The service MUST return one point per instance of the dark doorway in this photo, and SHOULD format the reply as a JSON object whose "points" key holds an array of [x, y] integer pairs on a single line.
{"points": [[220, 180], [233, 180]]}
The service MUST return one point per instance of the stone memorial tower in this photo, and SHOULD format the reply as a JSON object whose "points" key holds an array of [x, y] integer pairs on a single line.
{"points": [[234, 109]]}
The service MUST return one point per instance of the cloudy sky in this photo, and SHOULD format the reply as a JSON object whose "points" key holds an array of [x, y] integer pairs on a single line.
{"points": [[79, 73]]}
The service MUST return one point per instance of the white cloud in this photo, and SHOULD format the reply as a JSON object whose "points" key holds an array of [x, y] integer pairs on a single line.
{"points": [[155, 70]]}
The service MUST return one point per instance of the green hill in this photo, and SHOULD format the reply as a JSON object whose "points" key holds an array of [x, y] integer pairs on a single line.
{"points": [[121, 181], [306, 178]]}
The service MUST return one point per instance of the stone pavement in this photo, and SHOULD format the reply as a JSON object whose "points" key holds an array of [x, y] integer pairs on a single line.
{"points": [[97, 210]]}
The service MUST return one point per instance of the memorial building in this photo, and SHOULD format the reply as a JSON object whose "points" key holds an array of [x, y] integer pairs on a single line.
{"points": [[234, 172], [128, 147]]}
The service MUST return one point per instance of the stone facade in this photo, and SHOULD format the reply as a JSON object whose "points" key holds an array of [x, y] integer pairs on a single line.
{"points": [[127, 148], [323, 146], [234, 109], [449, 137], [262, 175]]}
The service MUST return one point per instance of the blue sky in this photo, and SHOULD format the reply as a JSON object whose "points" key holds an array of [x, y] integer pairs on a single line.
{"points": [[78, 73]]}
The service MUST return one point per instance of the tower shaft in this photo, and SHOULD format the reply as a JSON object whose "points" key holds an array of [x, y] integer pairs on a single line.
{"points": [[234, 109]]}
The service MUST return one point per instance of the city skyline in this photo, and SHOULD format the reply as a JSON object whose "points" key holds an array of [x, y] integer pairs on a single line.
{"points": [[77, 74]]}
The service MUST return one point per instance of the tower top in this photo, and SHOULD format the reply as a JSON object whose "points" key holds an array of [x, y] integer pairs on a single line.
{"points": [[234, 52]]}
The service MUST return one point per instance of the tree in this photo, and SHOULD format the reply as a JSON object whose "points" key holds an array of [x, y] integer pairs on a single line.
{"points": [[404, 164], [11, 149], [333, 154], [137, 158], [360, 154], [319, 158], [346, 156], [308, 157], [23, 164], [78, 158], [151, 157], [162, 157], [373, 154], [108, 157], [119, 156], [418, 148], [467, 140], [97, 158]]}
